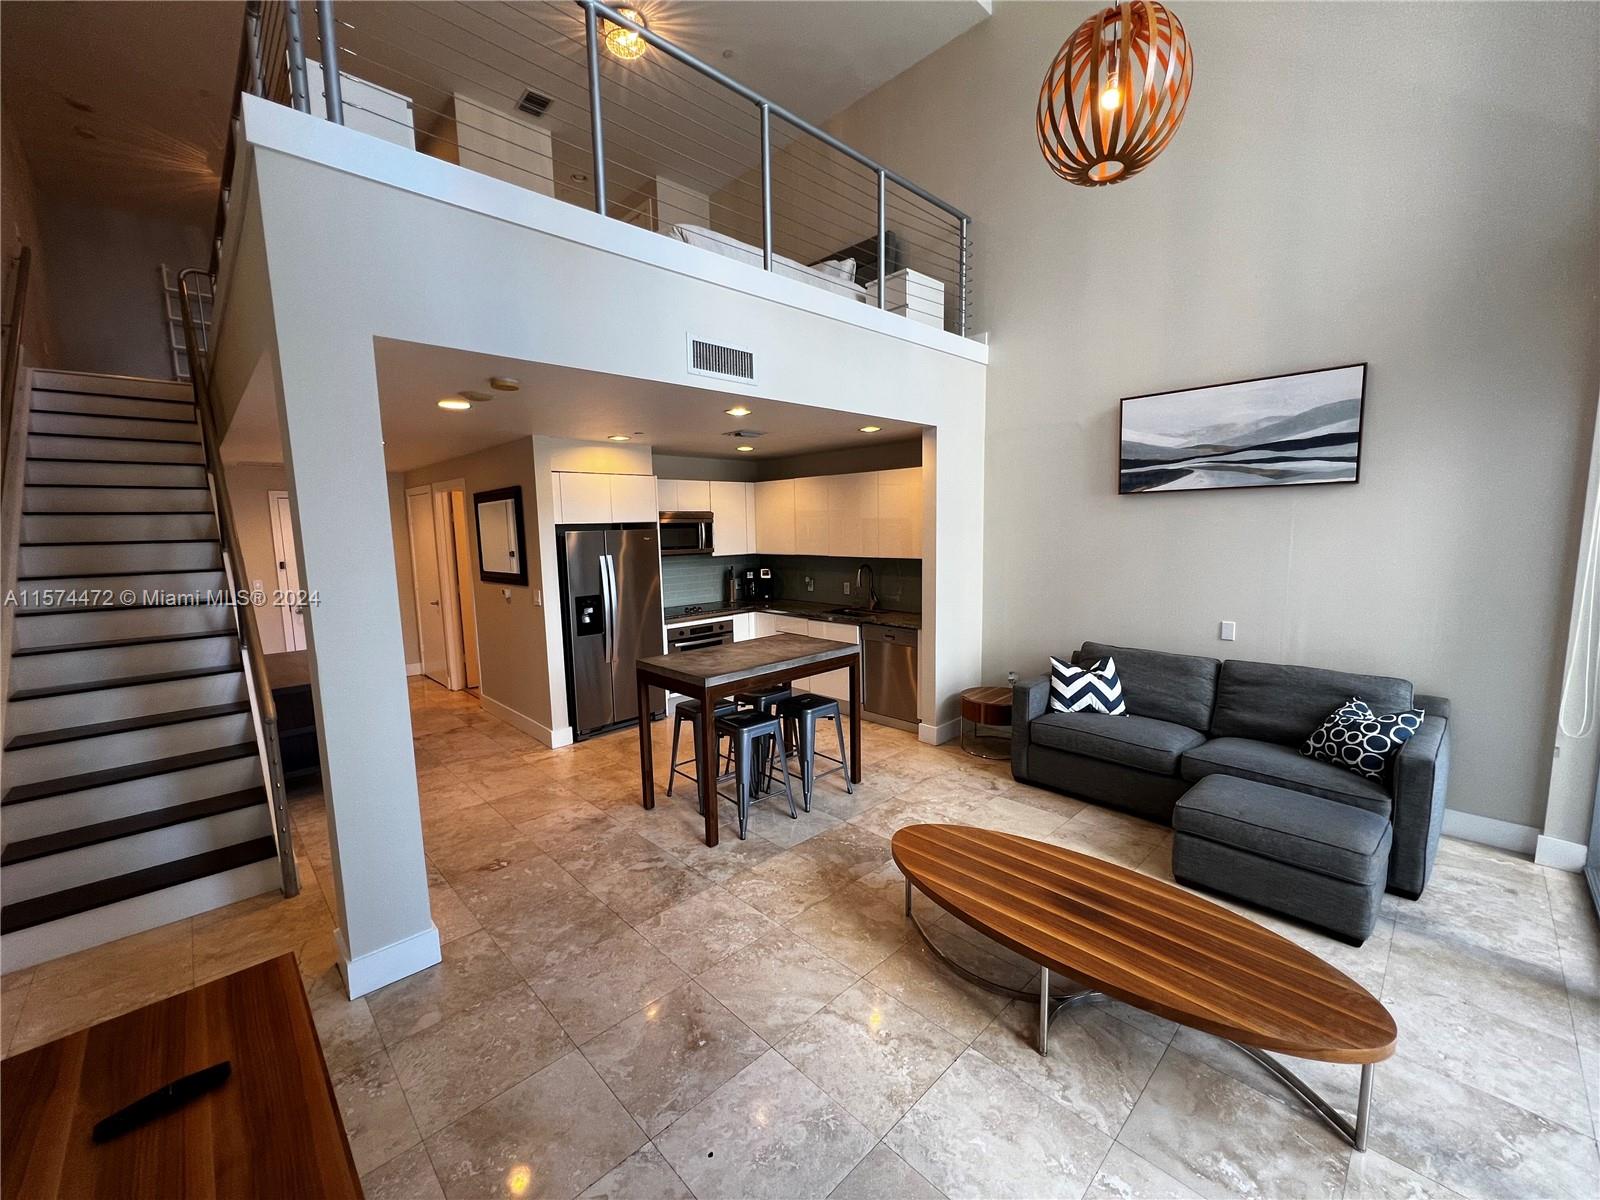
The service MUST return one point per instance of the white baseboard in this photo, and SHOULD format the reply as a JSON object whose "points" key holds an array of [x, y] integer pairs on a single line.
{"points": [[413, 668], [938, 735], [554, 738], [1488, 831], [396, 961], [1560, 854]]}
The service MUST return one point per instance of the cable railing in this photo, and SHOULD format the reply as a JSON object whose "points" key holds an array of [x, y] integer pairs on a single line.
{"points": [[536, 94], [235, 577]]}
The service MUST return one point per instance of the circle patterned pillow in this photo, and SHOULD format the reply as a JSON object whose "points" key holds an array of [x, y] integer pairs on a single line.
{"points": [[1356, 738]]}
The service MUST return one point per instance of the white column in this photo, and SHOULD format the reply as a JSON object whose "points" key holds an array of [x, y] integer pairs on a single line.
{"points": [[333, 450], [1570, 802], [950, 651]]}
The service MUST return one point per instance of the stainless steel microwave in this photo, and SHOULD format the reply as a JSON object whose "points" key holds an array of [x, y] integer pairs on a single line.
{"points": [[686, 533]]}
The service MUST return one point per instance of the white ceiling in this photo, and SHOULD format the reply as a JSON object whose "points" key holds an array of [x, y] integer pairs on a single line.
{"points": [[157, 75], [556, 402]]}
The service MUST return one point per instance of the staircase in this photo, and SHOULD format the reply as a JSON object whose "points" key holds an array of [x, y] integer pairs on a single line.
{"points": [[132, 779]]}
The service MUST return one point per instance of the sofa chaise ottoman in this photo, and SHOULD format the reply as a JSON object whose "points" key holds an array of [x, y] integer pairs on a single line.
{"points": [[1318, 860], [1191, 717]]}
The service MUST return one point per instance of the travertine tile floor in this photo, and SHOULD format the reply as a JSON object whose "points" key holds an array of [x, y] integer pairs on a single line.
{"points": [[622, 1011]]}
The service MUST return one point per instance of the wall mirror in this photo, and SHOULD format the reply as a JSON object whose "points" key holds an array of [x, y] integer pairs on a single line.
{"points": [[501, 555]]}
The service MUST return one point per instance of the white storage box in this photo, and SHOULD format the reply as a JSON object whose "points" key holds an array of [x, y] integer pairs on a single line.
{"points": [[912, 294]]}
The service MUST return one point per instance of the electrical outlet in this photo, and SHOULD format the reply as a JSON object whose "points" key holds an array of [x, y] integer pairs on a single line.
{"points": [[1226, 631], [810, 585], [847, 588]]}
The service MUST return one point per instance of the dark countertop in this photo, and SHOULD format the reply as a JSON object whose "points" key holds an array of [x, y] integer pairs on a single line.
{"points": [[796, 608]]}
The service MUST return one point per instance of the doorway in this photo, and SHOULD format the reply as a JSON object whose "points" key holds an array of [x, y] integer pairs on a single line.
{"points": [[441, 566], [287, 557]]}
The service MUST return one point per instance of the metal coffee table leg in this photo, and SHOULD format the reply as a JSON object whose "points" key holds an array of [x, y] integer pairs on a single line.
{"points": [[1355, 1134], [1049, 1006]]}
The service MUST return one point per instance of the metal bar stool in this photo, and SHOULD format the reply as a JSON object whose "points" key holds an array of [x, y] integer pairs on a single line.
{"points": [[746, 731], [689, 710], [765, 700], [802, 713]]}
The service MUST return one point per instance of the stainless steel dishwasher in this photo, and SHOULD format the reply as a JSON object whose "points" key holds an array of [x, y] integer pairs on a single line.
{"points": [[889, 664]]}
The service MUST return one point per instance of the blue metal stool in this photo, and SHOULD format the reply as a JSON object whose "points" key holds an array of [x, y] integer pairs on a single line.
{"points": [[801, 713], [747, 731]]}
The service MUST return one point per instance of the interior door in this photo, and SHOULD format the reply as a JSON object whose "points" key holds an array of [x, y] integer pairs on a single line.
{"points": [[425, 574], [635, 565], [287, 556], [589, 627]]}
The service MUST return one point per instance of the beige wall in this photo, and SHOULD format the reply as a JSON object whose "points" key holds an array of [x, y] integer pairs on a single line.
{"points": [[1352, 182], [511, 630], [105, 284], [19, 226], [248, 485]]}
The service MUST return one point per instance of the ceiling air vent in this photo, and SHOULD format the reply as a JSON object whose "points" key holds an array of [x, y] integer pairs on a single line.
{"points": [[721, 362], [534, 104]]}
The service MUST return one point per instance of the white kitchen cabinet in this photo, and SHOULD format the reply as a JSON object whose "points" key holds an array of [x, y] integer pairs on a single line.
{"points": [[899, 520], [585, 498], [692, 495], [667, 495], [853, 515], [811, 515], [592, 498], [775, 529], [834, 683], [729, 504], [783, 624], [744, 626], [633, 498], [763, 624]]}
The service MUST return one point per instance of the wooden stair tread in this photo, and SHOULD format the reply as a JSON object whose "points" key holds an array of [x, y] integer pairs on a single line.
{"points": [[51, 737], [46, 788], [24, 914], [115, 643], [121, 827], [96, 685]]}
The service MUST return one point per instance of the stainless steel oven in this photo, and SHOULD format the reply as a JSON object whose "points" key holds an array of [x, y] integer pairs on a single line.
{"points": [[699, 635], [686, 533]]}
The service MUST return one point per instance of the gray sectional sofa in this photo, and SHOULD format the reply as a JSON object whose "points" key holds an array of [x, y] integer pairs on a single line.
{"points": [[1191, 717]]}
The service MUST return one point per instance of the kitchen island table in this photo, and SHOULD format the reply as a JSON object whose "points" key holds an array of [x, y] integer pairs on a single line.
{"points": [[716, 673]]}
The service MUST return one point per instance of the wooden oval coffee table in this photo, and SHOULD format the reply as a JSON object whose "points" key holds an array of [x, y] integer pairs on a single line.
{"points": [[1152, 945]]}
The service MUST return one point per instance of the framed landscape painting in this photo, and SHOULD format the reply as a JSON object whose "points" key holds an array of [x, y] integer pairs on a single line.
{"points": [[1281, 431]]}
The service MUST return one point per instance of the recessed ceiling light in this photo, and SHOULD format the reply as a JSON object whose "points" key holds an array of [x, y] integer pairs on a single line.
{"points": [[478, 397], [746, 449], [738, 410], [455, 404], [579, 177], [619, 437], [78, 104], [504, 383], [871, 428], [87, 135]]}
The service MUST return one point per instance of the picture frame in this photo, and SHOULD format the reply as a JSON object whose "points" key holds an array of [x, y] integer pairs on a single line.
{"points": [[1290, 430], [502, 540]]}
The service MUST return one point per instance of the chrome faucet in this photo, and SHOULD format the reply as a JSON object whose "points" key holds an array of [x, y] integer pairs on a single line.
{"points": [[866, 587]]}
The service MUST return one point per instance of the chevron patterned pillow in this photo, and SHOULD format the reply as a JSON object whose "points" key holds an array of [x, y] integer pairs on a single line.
{"points": [[1095, 689]]}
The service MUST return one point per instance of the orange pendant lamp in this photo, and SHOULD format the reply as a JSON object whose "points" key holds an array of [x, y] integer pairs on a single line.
{"points": [[1115, 94]]}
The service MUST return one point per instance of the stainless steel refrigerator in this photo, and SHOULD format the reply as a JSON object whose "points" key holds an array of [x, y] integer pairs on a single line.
{"points": [[611, 607]]}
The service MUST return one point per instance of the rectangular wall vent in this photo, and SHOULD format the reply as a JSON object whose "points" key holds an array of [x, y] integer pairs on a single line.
{"points": [[721, 362], [533, 103]]}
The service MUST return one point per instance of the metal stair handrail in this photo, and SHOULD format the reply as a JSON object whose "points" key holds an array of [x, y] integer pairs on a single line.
{"points": [[240, 596]]}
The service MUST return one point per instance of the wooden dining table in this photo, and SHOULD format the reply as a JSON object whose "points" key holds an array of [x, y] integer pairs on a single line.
{"points": [[717, 673]]}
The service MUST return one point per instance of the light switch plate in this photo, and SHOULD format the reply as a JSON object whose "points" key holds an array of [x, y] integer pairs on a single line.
{"points": [[1227, 630]]}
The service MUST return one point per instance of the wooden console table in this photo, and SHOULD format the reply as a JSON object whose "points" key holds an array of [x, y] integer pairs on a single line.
{"points": [[271, 1130]]}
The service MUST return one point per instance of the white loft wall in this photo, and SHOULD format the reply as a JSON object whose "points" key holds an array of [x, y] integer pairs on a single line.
{"points": [[341, 214]]}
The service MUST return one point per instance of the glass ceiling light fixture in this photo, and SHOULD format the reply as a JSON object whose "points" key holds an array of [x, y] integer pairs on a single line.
{"points": [[1115, 94], [621, 42], [455, 404]]}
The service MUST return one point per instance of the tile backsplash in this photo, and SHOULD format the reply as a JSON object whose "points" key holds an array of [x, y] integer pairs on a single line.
{"points": [[694, 579]]}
